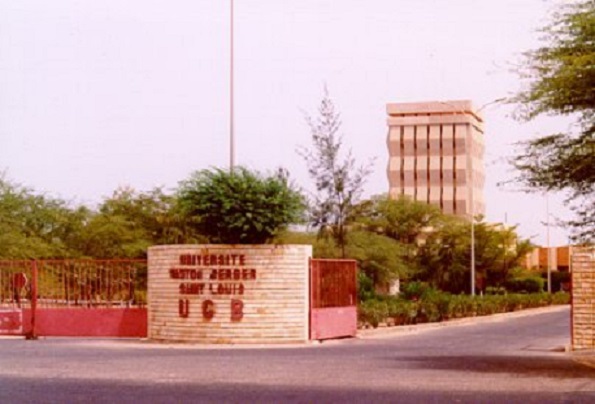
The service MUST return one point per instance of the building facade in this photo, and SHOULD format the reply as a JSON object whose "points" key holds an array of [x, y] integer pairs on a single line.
{"points": [[560, 258], [436, 155]]}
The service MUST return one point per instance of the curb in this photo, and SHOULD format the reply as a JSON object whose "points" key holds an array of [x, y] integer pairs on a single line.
{"points": [[387, 332], [586, 358]]}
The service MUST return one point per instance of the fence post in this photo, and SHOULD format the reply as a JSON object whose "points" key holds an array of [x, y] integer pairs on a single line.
{"points": [[34, 277], [310, 297]]}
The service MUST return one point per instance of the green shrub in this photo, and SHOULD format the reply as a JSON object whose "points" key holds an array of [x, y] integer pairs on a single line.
{"points": [[402, 311], [561, 298], [513, 302], [365, 287], [459, 306], [495, 290], [525, 284], [428, 312], [240, 206], [415, 290], [439, 306], [373, 312], [445, 305]]}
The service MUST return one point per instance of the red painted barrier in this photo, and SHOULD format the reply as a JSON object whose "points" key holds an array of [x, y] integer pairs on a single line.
{"points": [[73, 298], [112, 322], [15, 321], [334, 322]]}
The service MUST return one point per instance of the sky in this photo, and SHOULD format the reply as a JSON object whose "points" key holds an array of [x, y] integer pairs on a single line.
{"points": [[98, 95]]}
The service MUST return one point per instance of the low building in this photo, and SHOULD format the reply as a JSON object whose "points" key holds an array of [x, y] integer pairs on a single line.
{"points": [[559, 258]]}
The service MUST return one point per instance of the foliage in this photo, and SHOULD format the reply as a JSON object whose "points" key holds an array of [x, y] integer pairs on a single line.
{"points": [[338, 180], [445, 256], [373, 312], [322, 247], [240, 207], [402, 219], [561, 80], [365, 287], [525, 284], [154, 211], [390, 239], [379, 257], [34, 225], [444, 259], [128, 222], [415, 290], [440, 306], [495, 290], [498, 251], [123, 226], [401, 311]]}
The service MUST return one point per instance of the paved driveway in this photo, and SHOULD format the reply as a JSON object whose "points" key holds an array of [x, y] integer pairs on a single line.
{"points": [[509, 360]]}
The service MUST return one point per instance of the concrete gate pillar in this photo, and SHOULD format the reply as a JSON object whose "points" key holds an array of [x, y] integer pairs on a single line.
{"points": [[583, 298], [229, 293]]}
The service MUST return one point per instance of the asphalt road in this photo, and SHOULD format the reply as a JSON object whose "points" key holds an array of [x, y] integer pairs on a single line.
{"points": [[511, 360]]}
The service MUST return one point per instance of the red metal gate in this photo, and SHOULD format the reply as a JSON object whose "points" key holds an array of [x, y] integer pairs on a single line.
{"points": [[15, 301], [333, 298], [87, 298]]}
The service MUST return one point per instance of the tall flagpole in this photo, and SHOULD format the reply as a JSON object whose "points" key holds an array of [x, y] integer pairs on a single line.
{"points": [[231, 100]]}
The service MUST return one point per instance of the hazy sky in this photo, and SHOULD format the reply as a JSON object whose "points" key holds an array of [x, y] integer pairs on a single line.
{"points": [[98, 94]]}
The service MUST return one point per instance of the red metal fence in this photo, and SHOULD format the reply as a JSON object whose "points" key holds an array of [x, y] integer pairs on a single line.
{"points": [[73, 298], [333, 298], [107, 298], [15, 297]]}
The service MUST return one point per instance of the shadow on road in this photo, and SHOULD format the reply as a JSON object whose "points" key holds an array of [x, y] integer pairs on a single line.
{"points": [[548, 366], [107, 391]]}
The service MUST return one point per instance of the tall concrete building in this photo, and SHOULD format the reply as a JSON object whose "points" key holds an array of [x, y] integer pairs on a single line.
{"points": [[436, 155]]}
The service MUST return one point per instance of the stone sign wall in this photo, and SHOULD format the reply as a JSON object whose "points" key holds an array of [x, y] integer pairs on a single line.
{"points": [[229, 294], [583, 298]]}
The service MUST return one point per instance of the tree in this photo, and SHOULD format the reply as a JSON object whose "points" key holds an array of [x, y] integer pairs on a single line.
{"points": [[445, 255], [240, 207], [443, 259], [561, 80], [129, 222], [379, 257], [338, 180], [36, 226], [402, 219]]}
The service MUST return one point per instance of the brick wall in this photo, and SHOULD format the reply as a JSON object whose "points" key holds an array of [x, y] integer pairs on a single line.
{"points": [[228, 294], [583, 298]]}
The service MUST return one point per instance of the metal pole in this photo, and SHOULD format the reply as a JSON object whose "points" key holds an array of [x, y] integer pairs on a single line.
{"points": [[549, 249], [472, 211], [472, 201], [34, 282], [231, 100], [472, 183], [472, 246], [477, 111]]}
